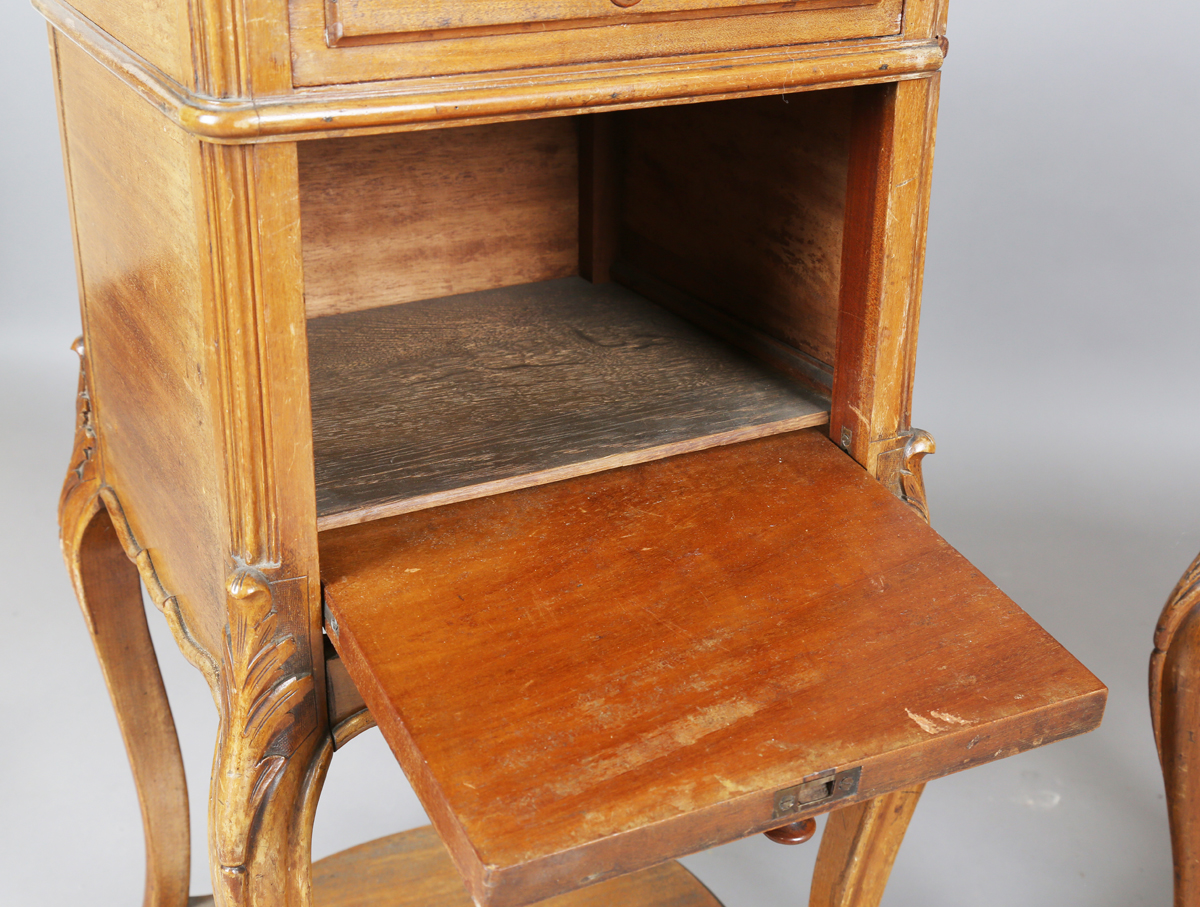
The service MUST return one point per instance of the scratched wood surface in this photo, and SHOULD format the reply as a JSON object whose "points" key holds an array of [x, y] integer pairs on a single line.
{"points": [[589, 677], [426, 402]]}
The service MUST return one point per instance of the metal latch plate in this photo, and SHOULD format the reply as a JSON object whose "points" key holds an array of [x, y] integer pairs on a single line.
{"points": [[824, 787]]}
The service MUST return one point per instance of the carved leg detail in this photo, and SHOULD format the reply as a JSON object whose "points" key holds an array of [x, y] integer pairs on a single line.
{"points": [[268, 757], [106, 584], [858, 848], [1175, 708], [110, 595]]}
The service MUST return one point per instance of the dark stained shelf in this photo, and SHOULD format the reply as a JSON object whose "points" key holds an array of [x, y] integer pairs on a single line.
{"points": [[430, 402]]}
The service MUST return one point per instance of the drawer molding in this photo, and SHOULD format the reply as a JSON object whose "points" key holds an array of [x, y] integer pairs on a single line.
{"points": [[424, 103], [348, 24]]}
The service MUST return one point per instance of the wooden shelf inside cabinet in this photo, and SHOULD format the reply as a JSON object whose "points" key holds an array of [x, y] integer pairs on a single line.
{"points": [[412, 869], [593, 676], [425, 403]]}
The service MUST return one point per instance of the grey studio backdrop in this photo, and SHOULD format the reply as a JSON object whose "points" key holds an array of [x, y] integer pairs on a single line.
{"points": [[1058, 370]]}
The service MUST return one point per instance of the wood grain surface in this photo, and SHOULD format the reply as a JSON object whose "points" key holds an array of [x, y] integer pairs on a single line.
{"points": [[142, 277], [589, 677], [391, 219], [357, 106], [741, 204], [858, 847], [883, 256], [412, 869], [623, 38], [155, 29], [422, 403], [111, 598]]}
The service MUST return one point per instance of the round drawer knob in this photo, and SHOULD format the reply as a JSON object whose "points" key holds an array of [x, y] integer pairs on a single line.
{"points": [[626, 3]]}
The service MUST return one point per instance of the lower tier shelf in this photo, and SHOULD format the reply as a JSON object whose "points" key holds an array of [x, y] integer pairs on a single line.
{"points": [[412, 869]]}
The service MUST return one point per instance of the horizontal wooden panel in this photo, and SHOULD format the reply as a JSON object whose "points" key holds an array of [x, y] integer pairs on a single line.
{"points": [[398, 17], [412, 869], [419, 404], [627, 39], [589, 677]]}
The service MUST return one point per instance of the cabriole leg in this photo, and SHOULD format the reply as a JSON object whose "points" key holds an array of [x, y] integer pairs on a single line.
{"points": [[1175, 708], [858, 847], [107, 586], [110, 594]]}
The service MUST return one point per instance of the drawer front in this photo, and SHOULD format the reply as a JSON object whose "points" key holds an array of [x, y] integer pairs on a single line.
{"points": [[351, 19], [345, 41]]}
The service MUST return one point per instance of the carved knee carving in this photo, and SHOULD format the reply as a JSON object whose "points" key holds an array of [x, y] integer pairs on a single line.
{"points": [[267, 767]]}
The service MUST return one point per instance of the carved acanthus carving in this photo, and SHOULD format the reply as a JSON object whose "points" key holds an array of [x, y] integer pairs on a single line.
{"points": [[78, 501], [258, 698], [900, 468], [82, 471], [912, 481]]}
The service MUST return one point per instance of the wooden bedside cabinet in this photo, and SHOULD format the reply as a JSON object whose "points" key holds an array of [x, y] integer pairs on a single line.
{"points": [[533, 381]]}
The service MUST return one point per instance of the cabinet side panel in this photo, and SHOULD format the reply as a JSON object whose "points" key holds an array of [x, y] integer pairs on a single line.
{"points": [[155, 29], [133, 181], [740, 204], [396, 218], [887, 212]]}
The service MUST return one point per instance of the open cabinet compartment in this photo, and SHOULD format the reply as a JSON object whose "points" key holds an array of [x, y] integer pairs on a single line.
{"points": [[455, 350], [588, 554]]}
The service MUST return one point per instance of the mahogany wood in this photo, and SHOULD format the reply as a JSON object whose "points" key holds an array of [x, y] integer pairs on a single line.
{"points": [[1175, 709], [589, 677], [412, 869], [395, 218], [429, 402]]}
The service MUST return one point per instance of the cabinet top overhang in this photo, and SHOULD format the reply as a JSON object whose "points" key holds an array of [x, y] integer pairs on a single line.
{"points": [[298, 111]]}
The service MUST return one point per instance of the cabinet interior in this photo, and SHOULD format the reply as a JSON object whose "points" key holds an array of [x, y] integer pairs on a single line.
{"points": [[504, 305]]}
